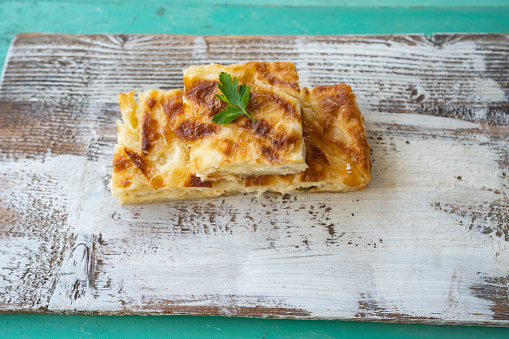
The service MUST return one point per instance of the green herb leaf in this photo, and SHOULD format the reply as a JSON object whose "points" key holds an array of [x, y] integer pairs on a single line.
{"points": [[244, 94], [305, 189], [237, 99], [227, 115]]}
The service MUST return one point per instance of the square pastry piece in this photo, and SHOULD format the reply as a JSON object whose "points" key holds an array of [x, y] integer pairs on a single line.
{"points": [[150, 163], [271, 145], [337, 151]]}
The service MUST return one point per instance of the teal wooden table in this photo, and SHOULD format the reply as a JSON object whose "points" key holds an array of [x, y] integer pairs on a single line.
{"points": [[240, 17]]}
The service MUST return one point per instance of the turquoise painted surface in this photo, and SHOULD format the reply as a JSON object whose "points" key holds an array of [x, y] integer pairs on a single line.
{"points": [[299, 3], [91, 16], [241, 17], [78, 326]]}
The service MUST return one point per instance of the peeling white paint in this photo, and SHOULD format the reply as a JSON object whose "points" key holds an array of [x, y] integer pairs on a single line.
{"points": [[398, 250], [418, 248], [490, 90]]}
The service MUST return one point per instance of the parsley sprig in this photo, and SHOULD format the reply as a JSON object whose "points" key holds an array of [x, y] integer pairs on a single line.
{"points": [[236, 97]]}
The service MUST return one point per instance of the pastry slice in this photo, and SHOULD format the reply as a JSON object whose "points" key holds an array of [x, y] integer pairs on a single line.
{"points": [[271, 145], [337, 151], [150, 163]]}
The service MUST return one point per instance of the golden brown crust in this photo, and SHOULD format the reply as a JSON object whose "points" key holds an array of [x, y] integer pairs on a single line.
{"points": [[126, 183], [151, 102], [139, 161], [336, 112], [243, 146], [145, 167], [120, 163], [149, 132], [261, 180], [148, 166], [194, 181], [190, 131], [230, 148], [318, 164], [337, 150], [203, 92], [261, 100], [278, 74], [174, 109]]}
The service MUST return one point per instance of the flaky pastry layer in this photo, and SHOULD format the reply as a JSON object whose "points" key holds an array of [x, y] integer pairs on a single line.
{"points": [[151, 163], [337, 150], [271, 145]]}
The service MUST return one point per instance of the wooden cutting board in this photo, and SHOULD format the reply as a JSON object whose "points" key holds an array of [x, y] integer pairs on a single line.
{"points": [[427, 241]]}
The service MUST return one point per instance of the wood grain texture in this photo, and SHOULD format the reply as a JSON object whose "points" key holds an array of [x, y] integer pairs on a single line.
{"points": [[427, 241], [199, 17]]}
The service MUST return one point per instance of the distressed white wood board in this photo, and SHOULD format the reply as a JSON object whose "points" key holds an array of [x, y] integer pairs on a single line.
{"points": [[427, 241]]}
